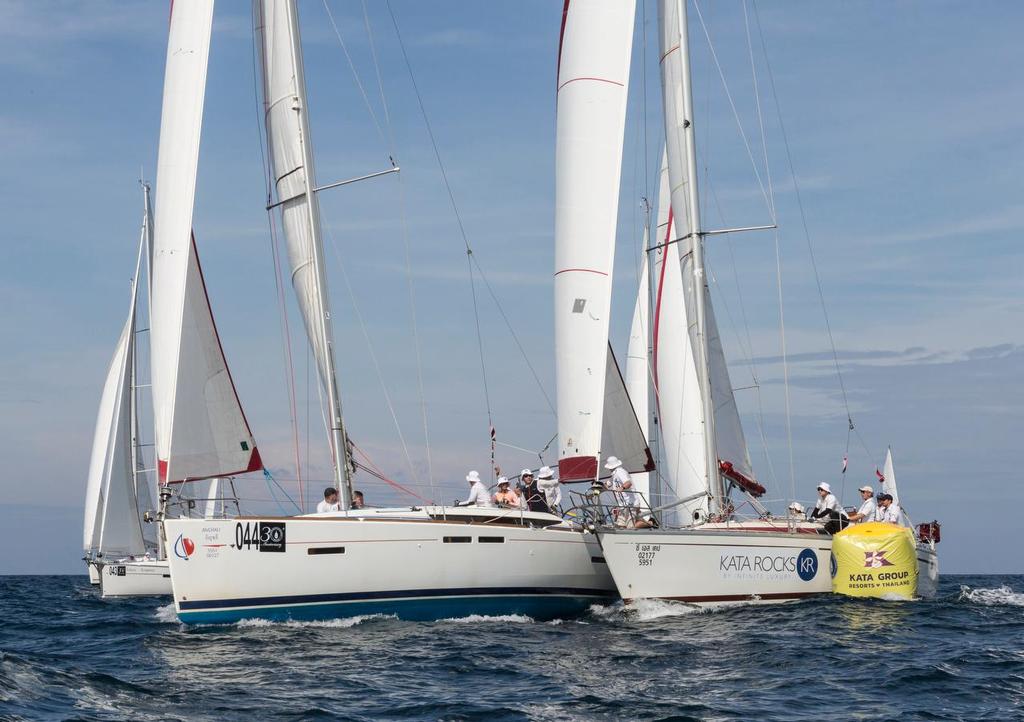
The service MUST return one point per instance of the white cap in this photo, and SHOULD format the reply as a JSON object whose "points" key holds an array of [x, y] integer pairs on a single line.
{"points": [[525, 472], [824, 485], [612, 463], [473, 476], [502, 480], [867, 487], [797, 507], [545, 473]]}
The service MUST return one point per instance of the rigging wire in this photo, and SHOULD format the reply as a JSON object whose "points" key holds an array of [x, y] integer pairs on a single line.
{"points": [[403, 213], [257, 67], [807, 236]]}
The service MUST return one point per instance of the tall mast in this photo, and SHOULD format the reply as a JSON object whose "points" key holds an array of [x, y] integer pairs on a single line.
{"points": [[700, 277], [339, 442]]}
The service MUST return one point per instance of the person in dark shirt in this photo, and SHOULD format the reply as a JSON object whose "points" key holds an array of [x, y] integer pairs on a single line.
{"points": [[535, 500]]}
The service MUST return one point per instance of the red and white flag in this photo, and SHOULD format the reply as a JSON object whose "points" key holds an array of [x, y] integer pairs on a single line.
{"points": [[881, 478], [845, 462]]}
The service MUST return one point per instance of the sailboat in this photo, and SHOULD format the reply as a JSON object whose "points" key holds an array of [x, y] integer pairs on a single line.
{"points": [[702, 553], [120, 548], [421, 562]]}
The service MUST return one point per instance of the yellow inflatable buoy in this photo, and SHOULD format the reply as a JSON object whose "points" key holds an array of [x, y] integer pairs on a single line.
{"points": [[876, 559]]}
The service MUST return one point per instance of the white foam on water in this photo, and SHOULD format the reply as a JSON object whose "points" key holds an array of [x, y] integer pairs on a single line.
{"points": [[643, 610], [166, 614], [472, 618], [344, 623], [998, 596]]}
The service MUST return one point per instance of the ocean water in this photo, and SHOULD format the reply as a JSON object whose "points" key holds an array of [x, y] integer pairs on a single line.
{"points": [[66, 654]]}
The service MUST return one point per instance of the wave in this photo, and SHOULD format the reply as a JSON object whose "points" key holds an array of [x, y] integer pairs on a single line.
{"points": [[992, 597], [344, 623], [643, 610], [166, 614], [472, 618]]}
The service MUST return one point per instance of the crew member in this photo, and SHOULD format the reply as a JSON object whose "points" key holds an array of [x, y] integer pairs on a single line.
{"points": [[357, 500], [535, 500], [330, 502], [505, 497], [549, 485], [478, 495], [867, 509], [827, 510], [889, 510], [620, 482]]}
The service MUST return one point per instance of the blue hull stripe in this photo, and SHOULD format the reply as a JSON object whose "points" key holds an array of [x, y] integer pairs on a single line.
{"points": [[541, 607], [399, 594]]}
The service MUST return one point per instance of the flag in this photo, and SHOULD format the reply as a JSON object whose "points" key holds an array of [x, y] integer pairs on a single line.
{"points": [[845, 462], [881, 479]]}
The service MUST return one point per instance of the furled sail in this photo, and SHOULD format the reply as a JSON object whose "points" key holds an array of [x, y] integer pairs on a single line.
{"points": [[200, 428], [638, 369], [593, 77], [112, 523], [622, 434]]}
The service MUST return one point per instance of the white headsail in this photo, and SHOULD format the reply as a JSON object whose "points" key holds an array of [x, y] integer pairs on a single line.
{"points": [[289, 147], [889, 477], [638, 368], [593, 78], [622, 435], [200, 428]]}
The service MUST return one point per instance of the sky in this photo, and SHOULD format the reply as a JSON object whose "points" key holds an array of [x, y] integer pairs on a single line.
{"points": [[905, 126]]}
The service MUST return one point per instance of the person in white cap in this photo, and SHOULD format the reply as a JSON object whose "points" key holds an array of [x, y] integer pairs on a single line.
{"points": [[504, 496], [827, 509], [620, 482], [549, 485], [535, 500], [478, 495], [867, 509], [796, 511]]}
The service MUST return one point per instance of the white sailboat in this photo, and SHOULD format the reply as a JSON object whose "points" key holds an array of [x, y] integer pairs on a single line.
{"points": [[702, 553], [420, 562], [121, 549], [927, 535]]}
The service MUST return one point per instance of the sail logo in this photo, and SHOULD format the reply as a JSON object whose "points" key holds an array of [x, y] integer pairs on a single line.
{"points": [[184, 547], [807, 565], [876, 559]]}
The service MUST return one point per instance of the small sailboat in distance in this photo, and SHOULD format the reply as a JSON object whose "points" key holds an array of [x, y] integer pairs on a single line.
{"points": [[121, 550]]}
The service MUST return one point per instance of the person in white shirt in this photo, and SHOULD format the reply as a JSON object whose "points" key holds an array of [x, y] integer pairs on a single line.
{"points": [[888, 510], [620, 482], [330, 502], [550, 486], [478, 495], [796, 511], [867, 509], [827, 510]]}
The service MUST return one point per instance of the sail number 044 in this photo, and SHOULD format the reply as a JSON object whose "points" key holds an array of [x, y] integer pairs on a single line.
{"points": [[645, 554], [264, 536]]}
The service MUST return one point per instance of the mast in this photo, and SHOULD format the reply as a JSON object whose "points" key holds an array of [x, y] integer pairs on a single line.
{"points": [[692, 207], [287, 132]]}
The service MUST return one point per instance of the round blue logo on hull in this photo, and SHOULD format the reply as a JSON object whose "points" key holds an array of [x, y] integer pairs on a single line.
{"points": [[807, 565]]}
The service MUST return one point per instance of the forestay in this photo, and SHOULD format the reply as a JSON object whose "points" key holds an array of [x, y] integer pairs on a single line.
{"points": [[593, 75], [199, 425]]}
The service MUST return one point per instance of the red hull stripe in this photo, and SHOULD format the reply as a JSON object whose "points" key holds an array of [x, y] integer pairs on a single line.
{"points": [[577, 468], [596, 80], [581, 270]]}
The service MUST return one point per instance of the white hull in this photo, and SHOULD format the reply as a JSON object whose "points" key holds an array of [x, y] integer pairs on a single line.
{"points": [[139, 578], [95, 569], [927, 570], [719, 564], [410, 563]]}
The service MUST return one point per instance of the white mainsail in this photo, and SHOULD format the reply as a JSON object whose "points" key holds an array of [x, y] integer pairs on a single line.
{"points": [[291, 158], [112, 521], [638, 368], [731, 443], [593, 78], [200, 429]]}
